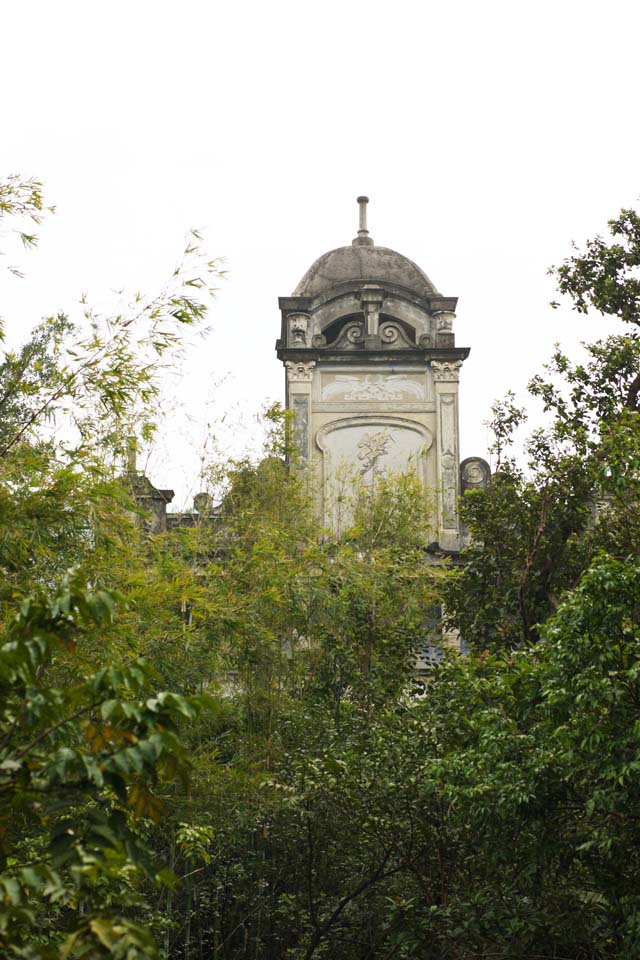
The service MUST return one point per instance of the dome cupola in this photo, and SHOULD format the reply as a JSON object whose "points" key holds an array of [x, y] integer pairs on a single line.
{"points": [[366, 297], [364, 262]]}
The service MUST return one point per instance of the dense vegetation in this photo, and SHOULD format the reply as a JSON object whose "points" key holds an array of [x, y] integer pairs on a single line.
{"points": [[211, 743]]}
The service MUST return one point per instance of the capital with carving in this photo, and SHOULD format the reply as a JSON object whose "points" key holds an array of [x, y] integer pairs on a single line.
{"points": [[446, 370], [300, 371]]}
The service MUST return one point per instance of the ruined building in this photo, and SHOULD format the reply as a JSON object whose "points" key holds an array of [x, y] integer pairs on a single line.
{"points": [[372, 372]]}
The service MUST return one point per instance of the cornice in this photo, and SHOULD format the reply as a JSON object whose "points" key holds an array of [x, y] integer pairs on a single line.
{"points": [[421, 354]]}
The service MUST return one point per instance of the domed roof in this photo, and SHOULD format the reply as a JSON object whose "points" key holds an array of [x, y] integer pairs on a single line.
{"points": [[368, 264], [363, 262]]}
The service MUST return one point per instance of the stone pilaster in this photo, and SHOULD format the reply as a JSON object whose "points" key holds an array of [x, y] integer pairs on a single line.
{"points": [[299, 384], [446, 374]]}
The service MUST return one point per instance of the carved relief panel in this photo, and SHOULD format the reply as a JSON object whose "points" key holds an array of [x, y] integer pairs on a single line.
{"points": [[377, 387], [368, 444], [448, 460], [301, 423]]}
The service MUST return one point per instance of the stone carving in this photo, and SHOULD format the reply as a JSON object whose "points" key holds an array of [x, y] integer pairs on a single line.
{"points": [[354, 333], [389, 332], [298, 326], [372, 447], [372, 387], [444, 322], [300, 371], [319, 340], [448, 468], [447, 370], [301, 411], [444, 328], [475, 474], [393, 334], [351, 335]]}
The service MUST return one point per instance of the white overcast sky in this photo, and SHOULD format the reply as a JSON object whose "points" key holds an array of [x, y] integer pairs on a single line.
{"points": [[488, 135]]}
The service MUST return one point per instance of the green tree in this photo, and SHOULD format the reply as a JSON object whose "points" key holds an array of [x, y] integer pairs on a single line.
{"points": [[311, 638], [21, 203], [87, 732], [536, 529], [481, 819], [78, 766], [322, 804]]}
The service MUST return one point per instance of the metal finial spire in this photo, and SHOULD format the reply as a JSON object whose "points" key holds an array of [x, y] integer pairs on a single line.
{"points": [[363, 238], [362, 202]]}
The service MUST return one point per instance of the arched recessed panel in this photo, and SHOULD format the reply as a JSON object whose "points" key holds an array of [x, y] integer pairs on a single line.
{"points": [[363, 447]]}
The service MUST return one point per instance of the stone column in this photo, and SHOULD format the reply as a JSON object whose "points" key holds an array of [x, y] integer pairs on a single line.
{"points": [[446, 374], [299, 384]]}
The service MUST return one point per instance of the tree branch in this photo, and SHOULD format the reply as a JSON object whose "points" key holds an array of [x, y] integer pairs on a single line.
{"points": [[380, 874]]}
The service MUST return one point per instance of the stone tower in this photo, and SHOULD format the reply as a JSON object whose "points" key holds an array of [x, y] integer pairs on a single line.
{"points": [[372, 372]]}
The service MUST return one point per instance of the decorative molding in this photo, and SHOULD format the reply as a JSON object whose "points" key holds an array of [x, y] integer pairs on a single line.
{"points": [[351, 335], [389, 332], [375, 420], [354, 332], [300, 371], [446, 370], [392, 334]]}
